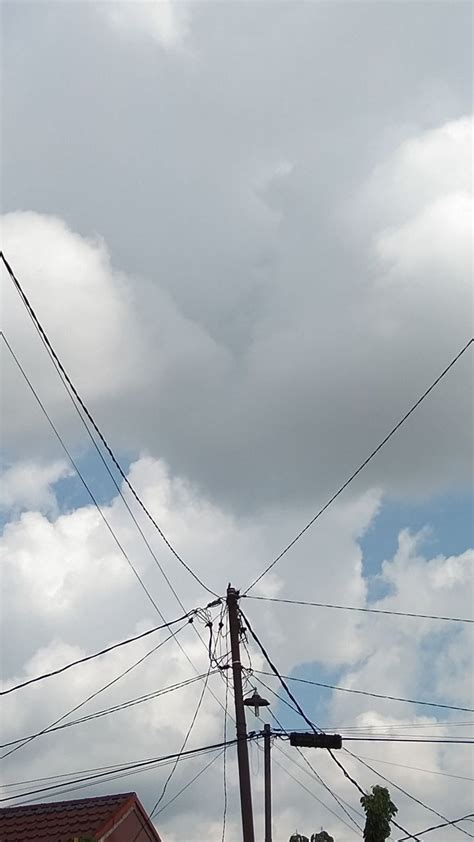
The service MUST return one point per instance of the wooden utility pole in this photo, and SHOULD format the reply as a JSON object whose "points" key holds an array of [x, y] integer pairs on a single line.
{"points": [[267, 731], [242, 744]]}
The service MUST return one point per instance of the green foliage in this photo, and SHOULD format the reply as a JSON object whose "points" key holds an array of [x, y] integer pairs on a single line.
{"points": [[379, 809]]}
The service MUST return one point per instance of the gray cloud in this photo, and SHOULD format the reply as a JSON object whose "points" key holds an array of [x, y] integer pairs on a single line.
{"points": [[225, 181]]}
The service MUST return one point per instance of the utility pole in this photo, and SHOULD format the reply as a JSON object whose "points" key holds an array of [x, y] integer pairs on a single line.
{"points": [[242, 745], [268, 781]]}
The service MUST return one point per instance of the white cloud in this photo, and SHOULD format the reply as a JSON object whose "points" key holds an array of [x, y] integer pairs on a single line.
{"points": [[165, 21], [280, 277], [67, 576], [425, 167], [28, 485]]}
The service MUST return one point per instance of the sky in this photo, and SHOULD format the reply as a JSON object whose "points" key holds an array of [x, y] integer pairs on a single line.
{"points": [[246, 228]]}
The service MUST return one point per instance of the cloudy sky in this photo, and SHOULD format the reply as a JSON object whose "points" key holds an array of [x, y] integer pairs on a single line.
{"points": [[246, 228]]}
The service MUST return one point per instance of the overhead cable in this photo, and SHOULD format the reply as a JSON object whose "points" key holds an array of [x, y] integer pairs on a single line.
{"points": [[127, 767], [362, 465], [189, 783], [418, 769], [367, 693], [115, 708], [364, 610], [104, 651], [97, 429], [408, 794], [309, 791], [315, 774], [96, 693], [96, 504], [79, 473], [212, 655], [468, 817], [306, 719]]}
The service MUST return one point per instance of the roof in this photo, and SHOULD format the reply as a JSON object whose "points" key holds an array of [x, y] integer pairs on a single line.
{"points": [[61, 821]]}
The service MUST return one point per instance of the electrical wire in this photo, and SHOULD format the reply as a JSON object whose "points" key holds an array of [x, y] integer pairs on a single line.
{"points": [[190, 728], [80, 475], [186, 786], [113, 777], [115, 773], [112, 477], [92, 695], [96, 654], [364, 610], [127, 767], [110, 768], [115, 708], [89, 491], [309, 791], [432, 740], [373, 695], [308, 721], [468, 817], [316, 774], [404, 791], [313, 795], [372, 737], [362, 465], [87, 412], [418, 769]]}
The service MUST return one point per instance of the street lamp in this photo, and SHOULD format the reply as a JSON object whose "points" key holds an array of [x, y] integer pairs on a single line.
{"points": [[256, 702]]}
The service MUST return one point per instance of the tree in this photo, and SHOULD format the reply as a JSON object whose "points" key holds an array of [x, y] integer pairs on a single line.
{"points": [[297, 837], [379, 810], [323, 836]]}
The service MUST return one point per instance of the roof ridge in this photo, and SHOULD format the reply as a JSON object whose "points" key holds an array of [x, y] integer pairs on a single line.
{"points": [[75, 801]]}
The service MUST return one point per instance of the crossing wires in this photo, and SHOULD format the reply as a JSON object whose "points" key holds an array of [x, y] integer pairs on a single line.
{"points": [[65, 377], [361, 467]]}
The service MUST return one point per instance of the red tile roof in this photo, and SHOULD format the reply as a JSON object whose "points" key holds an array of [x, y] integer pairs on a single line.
{"points": [[63, 820]]}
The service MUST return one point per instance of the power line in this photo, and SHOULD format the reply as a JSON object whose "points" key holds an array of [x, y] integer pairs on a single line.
{"points": [[186, 786], [97, 654], [396, 727], [365, 610], [92, 695], [110, 768], [80, 475], [89, 491], [362, 465], [323, 783], [114, 481], [191, 726], [436, 740], [309, 791], [85, 409], [114, 771], [418, 769], [108, 780], [127, 767], [308, 721], [367, 693], [374, 738], [468, 817], [114, 709], [408, 794]]}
